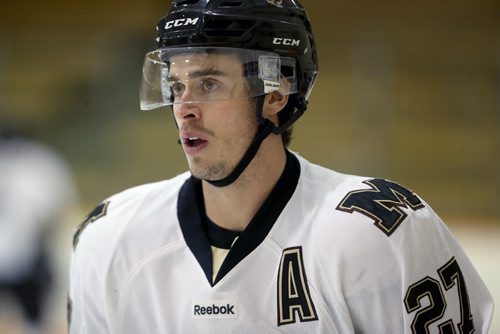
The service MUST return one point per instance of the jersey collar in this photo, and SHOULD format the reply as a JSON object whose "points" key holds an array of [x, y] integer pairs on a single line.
{"points": [[191, 213]]}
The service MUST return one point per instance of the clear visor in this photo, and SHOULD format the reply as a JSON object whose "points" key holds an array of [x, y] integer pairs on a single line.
{"points": [[203, 74]]}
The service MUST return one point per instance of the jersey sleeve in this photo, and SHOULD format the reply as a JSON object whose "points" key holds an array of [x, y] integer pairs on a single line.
{"points": [[108, 244], [87, 307], [407, 273]]}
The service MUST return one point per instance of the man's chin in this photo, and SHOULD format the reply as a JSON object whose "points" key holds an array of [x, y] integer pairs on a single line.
{"points": [[212, 173]]}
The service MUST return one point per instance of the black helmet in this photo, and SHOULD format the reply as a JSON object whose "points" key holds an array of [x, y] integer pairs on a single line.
{"points": [[278, 26]]}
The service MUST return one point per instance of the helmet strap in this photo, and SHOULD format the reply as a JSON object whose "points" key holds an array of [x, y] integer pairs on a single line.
{"points": [[264, 129], [298, 110]]}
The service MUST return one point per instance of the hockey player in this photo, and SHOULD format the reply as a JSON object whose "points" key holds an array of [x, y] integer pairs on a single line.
{"points": [[254, 238]]}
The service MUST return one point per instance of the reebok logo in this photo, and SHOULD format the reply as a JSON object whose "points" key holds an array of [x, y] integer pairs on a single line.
{"points": [[218, 309], [214, 309]]}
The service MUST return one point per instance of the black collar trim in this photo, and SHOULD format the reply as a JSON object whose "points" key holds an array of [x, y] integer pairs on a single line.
{"points": [[191, 214], [219, 236]]}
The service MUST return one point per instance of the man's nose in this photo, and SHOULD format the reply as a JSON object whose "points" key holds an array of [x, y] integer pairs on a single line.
{"points": [[183, 110]]}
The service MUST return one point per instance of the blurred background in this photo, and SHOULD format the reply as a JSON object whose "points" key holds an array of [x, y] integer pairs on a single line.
{"points": [[407, 90]]}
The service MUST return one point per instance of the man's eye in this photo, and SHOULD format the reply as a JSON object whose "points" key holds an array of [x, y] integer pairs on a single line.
{"points": [[209, 85], [177, 88]]}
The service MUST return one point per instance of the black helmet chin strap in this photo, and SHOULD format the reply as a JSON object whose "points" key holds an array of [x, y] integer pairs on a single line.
{"points": [[264, 129]]}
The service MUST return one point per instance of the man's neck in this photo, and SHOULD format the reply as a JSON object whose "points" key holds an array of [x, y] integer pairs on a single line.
{"points": [[233, 207]]}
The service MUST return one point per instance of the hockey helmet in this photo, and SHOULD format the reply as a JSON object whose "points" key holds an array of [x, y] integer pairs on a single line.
{"points": [[265, 33]]}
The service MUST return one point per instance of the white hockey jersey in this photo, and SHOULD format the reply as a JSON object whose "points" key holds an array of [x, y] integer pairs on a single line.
{"points": [[326, 253]]}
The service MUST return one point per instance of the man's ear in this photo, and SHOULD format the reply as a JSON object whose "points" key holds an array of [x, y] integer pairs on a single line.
{"points": [[273, 104]]}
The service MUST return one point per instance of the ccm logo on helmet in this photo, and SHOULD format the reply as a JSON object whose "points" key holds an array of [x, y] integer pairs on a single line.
{"points": [[286, 41], [181, 22]]}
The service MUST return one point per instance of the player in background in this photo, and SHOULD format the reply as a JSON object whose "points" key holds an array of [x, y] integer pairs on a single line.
{"points": [[254, 238], [36, 193]]}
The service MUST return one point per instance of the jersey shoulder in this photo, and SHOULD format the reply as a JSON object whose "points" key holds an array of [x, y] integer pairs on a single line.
{"points": [[355, 198], [108, 219], [372, 220], [352, 216]]}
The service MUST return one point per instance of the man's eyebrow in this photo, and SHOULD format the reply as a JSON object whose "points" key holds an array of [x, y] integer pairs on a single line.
{"points": [[199, 74]]}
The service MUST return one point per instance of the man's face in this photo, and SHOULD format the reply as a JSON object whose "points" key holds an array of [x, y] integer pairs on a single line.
{"points": [[216, 119]]}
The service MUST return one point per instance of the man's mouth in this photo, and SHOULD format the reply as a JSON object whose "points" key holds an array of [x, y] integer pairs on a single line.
{"points": [[193, 141]]}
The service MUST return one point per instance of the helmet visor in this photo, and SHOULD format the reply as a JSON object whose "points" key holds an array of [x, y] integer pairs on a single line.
{"points": [[204, 74]]}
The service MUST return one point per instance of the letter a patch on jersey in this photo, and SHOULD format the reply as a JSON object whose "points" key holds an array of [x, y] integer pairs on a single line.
{"points": [[294, 299]]}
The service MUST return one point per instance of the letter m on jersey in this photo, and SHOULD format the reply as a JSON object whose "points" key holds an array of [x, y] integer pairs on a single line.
{"points": [[383, 203]]}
